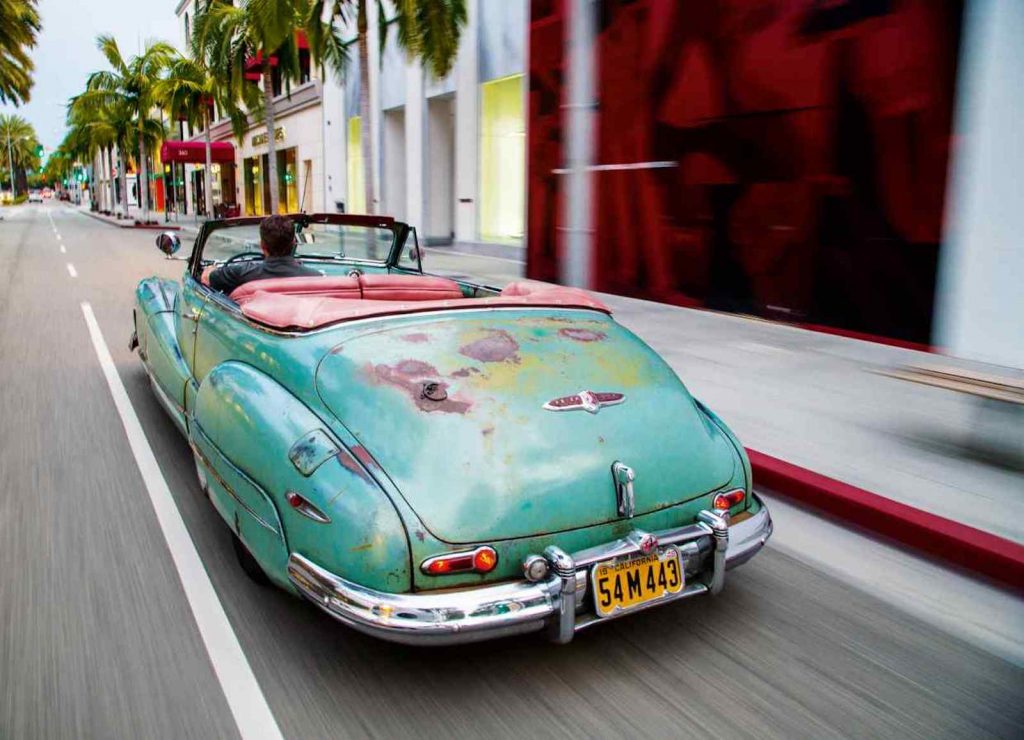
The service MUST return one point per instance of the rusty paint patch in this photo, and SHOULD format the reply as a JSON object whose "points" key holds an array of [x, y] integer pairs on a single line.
{"points": [[362, 547], [363, 455], [420, 534], [349, 463], [409, 376], [415, 368], [465, 372], [497, 346], [487, 431], [582, 335], [417, 337]]}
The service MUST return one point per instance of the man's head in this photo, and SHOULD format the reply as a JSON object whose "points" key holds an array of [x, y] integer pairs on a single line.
{"points": [[277, 236]]}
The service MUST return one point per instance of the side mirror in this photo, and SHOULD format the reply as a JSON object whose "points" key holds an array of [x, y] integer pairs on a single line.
{"points": [[168, 243], [414, 254]]}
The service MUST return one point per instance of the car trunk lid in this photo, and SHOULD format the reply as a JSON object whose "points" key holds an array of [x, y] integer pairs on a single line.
{"points": [[481, 420]]}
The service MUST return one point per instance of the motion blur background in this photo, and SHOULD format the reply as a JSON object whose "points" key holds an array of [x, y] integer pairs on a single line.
{"points": [[847, 164]]}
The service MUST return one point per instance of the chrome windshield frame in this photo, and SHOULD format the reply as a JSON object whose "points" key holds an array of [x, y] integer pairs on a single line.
{"points": [[399, 229]]}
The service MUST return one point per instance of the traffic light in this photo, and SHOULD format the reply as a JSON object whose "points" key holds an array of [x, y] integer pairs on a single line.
{"points": [[39, 150]]}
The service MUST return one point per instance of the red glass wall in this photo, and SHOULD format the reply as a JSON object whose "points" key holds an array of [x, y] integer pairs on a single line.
{"points": [[785, 158]]}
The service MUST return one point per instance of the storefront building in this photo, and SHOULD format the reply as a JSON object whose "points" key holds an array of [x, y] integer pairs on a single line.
{"points": [[241, 183], [448, 156]]}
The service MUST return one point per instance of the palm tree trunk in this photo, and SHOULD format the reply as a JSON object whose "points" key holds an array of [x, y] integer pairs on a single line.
{"points": [[123, 167], [268, 103], [364, 108], [112, 205], [143, 177], [209, 171]]}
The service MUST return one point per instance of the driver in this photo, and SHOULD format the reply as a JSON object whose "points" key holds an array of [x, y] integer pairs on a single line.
{"points": [[277, 242]]}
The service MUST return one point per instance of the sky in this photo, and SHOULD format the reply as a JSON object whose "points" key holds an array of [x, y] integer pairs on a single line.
{"points": [[67, 53]]}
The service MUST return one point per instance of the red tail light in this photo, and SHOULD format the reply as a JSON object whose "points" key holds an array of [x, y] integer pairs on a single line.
{"points": [[481, 560], [729, 499]]}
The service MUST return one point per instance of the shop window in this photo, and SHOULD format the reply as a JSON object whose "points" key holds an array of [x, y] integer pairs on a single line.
{"points": [[276, 80], [254, 191], [287, 181], [502, 160]]}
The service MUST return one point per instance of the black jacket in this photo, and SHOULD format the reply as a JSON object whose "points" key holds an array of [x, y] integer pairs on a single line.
{"points": [[228, 277]]}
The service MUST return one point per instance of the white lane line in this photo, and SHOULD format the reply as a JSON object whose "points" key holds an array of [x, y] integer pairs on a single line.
{"points": [[72, 271], [59, 237], [241, 689], [63, 250]]}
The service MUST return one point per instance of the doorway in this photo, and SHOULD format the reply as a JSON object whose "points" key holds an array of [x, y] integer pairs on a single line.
{"points": [[440, 175]]}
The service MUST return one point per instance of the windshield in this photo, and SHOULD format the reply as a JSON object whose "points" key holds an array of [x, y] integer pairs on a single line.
{"points": [[331, 241]]}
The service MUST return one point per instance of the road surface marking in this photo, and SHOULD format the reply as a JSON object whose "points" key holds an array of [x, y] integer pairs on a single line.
{"points": [[241, 689], [62, 250], [71, 270]]}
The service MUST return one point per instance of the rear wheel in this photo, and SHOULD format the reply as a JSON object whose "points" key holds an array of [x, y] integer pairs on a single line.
{"points": [[248, 562]]}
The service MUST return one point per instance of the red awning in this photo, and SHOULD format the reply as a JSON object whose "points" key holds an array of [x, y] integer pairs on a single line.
{"points": [[194, 152]]}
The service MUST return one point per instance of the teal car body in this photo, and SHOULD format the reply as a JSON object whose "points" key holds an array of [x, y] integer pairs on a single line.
{"points": [[531, 441]]}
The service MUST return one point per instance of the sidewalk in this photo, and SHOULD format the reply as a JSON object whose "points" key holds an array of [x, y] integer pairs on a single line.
{"points": [[128, 223]]}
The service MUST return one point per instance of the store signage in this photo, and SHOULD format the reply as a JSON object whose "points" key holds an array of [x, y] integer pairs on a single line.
{"points": [[259, 139]]}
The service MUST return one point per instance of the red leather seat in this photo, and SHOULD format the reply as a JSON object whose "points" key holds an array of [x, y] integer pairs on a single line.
{"points": [[328, 286], [408, 288]]}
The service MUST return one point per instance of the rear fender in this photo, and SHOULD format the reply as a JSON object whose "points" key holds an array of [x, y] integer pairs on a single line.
{"points": [[260, 442]]}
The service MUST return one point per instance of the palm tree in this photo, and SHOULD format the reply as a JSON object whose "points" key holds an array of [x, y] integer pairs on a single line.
{"points": [[19, 20], [428, 30], [90, 133], [187, 93], [20, 148], [263, 34], [130, 84]]}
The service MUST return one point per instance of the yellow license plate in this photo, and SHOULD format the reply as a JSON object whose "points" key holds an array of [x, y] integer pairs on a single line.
{"points": [[620, 585]]}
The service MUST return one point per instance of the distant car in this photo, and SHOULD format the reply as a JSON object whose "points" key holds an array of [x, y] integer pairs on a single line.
{"points": [[432, 460], [47, 193], [34, 196]]}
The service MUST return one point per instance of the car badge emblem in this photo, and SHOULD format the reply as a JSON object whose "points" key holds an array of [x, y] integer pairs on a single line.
{"points": [[589, 401], [623, 476]]}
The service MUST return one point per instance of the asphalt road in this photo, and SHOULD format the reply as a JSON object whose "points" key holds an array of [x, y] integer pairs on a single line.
{"points": [[98, 640]]}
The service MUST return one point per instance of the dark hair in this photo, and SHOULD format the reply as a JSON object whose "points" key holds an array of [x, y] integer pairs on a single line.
{"points": [[278, 235]]}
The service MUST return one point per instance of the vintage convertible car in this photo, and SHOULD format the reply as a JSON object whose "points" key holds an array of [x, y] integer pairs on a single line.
{"points": [[431, 460]]}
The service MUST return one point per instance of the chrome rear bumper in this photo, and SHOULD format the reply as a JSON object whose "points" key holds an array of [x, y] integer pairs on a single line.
{"points": [[709, 548]]}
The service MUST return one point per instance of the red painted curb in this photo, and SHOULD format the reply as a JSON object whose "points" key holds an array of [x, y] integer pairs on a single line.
{"points": [[945, 539]]}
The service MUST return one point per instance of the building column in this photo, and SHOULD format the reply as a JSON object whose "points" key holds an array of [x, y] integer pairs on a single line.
{"points": [[415, 154], [467, 128], [979, 301], [579, 103]]}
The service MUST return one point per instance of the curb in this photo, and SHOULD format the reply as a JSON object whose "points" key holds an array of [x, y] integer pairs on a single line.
{"points": [[129, 225], [995, 557]]}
